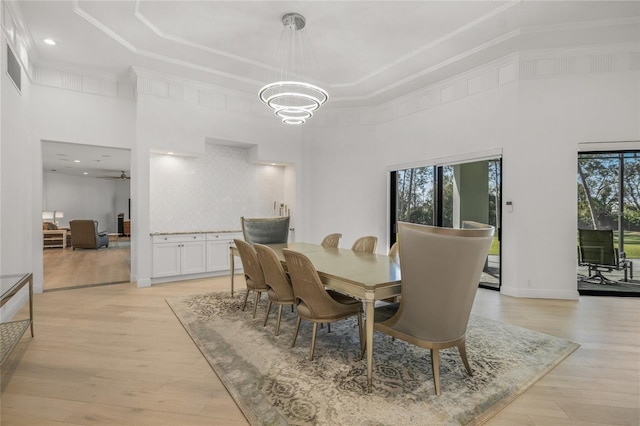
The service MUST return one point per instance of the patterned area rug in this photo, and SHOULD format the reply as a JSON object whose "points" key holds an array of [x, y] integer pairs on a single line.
{"points": [[274, 384]]}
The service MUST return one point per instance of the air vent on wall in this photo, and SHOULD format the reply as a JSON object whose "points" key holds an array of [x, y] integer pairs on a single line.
{"points": [[13, 68]]}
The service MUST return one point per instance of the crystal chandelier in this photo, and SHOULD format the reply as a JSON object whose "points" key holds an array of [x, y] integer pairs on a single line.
{"points": [[292, 99]]}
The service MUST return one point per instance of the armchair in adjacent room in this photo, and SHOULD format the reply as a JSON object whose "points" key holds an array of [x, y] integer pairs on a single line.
{"points": [[84, 234]]}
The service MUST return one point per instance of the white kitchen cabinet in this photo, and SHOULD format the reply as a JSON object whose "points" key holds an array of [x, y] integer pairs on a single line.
{"points": [[218, 250], [180, 254]]}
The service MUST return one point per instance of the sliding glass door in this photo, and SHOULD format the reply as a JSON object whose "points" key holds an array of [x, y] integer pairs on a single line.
{"points": [[609, 199], [447, 195]]}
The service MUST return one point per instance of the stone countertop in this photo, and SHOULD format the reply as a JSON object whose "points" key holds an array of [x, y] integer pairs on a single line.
{"points": [[195, 232]]}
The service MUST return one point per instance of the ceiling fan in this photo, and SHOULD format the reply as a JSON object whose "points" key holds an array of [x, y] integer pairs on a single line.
{"points": [[122, 176]]}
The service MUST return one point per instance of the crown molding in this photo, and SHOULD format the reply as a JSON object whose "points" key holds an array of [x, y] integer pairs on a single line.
{"points": [[521, 66], [513, 68]]}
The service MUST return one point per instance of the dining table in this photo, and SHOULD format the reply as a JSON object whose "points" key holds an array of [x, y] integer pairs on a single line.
{"points": [[366, 276]]}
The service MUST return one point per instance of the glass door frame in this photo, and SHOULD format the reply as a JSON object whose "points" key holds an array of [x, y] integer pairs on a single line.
{"points": [[438, 191]]}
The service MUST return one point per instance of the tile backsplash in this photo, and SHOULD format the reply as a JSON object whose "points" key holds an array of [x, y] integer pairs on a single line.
{"points": [[211, 192]]}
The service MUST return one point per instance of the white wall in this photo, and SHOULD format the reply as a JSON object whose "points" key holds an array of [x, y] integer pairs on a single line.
{"points": [[86, 198], [18, 219], [537, 123], [212, 191], [165, 123]]}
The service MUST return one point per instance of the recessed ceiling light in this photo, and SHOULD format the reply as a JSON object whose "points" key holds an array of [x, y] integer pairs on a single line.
{"points": [[76, 161], [85, 173], [170, 153], [50, 41]]}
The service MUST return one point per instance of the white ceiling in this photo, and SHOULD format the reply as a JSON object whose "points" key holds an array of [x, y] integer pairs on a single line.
{"points": [[85, 160], [366, 52]]}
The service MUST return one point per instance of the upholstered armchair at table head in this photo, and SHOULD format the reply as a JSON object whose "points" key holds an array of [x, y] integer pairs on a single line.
{"points": [[441, 269], [85, 234], [265, 230]]}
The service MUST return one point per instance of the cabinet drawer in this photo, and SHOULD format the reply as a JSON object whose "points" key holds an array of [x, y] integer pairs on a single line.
{"points": [[178, 238], [221, 236]]}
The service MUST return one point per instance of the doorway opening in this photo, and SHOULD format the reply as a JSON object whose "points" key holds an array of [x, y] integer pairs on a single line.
{"points": [[91, 183]]}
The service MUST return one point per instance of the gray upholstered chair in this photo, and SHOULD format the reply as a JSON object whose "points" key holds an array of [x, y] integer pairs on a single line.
{"points": [[280, 291], [440, 268], [331, 240], [314, 303], [365, 244], [253, 274], [84, 234], [265, 230]]}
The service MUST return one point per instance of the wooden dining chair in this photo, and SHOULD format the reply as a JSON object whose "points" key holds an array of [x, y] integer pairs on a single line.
{"points": [[440, 269], [314, 303], [280, 291], [394, 251], [253, 274], [331, 240], [365, 244]]}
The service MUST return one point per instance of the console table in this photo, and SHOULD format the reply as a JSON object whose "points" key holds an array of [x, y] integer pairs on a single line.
{"points": [[55, 238], [11, 332]]}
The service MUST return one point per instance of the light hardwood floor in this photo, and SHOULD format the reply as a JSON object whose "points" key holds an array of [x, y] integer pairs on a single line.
{"points": [[65, 268], [117, 355]]}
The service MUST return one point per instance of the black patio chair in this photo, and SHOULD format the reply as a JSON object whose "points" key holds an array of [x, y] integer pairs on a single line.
{"points": [[597, 252]]}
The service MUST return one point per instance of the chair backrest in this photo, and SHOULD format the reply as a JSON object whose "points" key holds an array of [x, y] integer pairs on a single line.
{"points": [[441, 269], [394, 251], [251, 264], [307, 286], [84, 233], [275, 276], [365, 244], [331, 240], [268, 230], [596, 247]]}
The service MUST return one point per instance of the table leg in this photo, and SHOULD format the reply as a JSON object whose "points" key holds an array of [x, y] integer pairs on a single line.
{"points": [[233, 269], [31, 302], [369, 318]]}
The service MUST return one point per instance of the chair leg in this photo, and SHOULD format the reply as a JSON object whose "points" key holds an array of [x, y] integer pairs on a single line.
{"points": [[246, 296], [266, 315], [255, 303], [313, 340], [435, 366], [328, 327], [362, 337], [295, 336], [279, 318], [462, 348]]}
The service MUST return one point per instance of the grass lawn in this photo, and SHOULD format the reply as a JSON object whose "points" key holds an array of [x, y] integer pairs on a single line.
{"points": [[631, 244]]}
